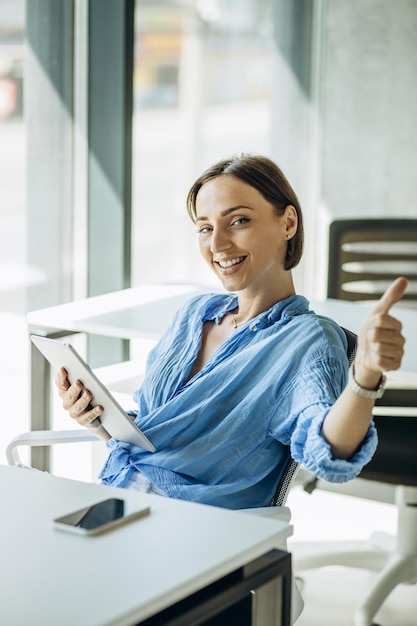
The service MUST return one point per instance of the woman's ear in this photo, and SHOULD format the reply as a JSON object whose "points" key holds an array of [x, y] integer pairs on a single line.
{"points": [[290, 221]]}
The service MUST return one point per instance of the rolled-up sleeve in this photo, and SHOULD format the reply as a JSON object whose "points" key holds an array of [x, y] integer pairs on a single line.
{"points": [[309, 447], [308, 400]]}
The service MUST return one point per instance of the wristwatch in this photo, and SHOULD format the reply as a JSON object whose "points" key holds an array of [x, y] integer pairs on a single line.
{"points": [[361, 391]]}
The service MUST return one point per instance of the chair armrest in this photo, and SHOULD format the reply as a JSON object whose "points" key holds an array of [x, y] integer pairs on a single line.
{"points": [[44, 438]]}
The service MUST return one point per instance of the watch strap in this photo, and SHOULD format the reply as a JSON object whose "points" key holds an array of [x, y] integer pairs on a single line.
{"points": [[361, 391]]}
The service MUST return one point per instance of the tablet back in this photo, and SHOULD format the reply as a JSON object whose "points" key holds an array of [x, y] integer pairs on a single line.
{"points": [[114, 419]]}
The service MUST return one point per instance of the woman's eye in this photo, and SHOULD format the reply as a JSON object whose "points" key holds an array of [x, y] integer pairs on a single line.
{"points": [[204, 230], [240, 221]]}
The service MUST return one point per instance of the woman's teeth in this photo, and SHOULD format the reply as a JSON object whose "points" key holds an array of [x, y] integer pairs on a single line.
{"points": [[231, 262]]}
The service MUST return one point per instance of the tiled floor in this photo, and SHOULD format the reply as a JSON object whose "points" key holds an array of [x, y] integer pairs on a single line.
{"points": [[323, 520]]}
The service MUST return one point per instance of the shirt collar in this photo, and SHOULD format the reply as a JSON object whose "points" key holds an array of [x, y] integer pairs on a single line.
{"points": [[281, 311]]}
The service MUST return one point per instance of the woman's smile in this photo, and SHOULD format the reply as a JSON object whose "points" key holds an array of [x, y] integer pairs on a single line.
{"points": [[229, 264]]}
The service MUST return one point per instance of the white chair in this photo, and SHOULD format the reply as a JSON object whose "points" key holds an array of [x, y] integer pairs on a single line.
{"points": [[394, 558], [365, 255], [121, 379]]}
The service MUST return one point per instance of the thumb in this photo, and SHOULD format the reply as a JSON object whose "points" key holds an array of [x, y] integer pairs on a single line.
{"points": [[391, 296]]}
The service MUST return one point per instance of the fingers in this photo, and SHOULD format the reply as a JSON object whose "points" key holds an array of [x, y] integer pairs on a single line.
{"points": [[385, 348], [76, 399], [391, 296], [380, 341], [61, 381]]}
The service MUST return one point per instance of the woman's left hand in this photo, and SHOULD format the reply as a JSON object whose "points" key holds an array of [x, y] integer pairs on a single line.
{"points": [[380, 341]]}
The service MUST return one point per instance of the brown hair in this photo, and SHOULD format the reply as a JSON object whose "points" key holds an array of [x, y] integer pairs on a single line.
{"points": [[265, 176]]}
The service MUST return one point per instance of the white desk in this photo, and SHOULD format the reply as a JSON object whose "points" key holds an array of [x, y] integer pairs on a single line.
{"points": [[136, 312], [51, 578], [146, 311]]}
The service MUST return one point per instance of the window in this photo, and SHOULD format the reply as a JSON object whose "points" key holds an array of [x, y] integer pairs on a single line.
{"points": [[204, 88], [202, 91], [15, 274]]}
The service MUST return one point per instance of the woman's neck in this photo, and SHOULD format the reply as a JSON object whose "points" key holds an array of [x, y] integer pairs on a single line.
{"points": [[253, 303]]}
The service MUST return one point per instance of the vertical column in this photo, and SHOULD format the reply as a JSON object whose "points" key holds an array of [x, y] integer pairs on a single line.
{"points": [[295, 139], [48, 115], [56, 177], [111, 36]]}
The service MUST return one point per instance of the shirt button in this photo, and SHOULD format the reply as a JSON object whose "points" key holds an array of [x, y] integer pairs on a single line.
{"points": [[255, 328]]}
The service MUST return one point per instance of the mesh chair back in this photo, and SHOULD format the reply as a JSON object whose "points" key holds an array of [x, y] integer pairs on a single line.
{"points": [[365, 255]]}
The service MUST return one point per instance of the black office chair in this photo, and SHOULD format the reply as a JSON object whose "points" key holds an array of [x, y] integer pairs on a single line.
{"points": [[365, 255]]}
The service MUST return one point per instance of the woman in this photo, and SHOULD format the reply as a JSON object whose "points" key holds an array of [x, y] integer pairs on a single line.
{"points": [[239, 376]]}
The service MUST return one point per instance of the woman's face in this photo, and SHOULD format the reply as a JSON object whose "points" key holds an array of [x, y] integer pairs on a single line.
{"points": [[240, 234]]}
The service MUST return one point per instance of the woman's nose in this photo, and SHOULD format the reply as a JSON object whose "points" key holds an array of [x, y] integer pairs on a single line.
{"points": [[219, 241]]}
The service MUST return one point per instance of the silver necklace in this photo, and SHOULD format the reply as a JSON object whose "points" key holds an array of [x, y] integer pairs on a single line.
{"points": [[235, 323]]}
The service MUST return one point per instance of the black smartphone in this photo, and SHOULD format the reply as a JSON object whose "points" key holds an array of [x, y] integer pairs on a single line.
{"points": [[101, 516]]}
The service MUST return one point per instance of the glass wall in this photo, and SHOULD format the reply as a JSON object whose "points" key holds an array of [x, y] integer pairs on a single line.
{"points": [[36, 199], [15, 274], [202, 91], [204, 87], [36, 184]]}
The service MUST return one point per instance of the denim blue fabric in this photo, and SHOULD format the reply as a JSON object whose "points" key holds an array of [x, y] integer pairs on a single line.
{"points": [[221, 436]]}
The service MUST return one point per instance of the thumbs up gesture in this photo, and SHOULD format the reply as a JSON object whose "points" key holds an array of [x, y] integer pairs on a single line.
{"points": [[380, 342]]}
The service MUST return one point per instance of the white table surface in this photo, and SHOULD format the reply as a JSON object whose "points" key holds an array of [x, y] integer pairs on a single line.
{"points": [[52, 578], [143, 311], [146, 311]]}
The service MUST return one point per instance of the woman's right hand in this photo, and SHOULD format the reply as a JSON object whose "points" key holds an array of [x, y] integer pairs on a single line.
{"points": [[77, 401]]}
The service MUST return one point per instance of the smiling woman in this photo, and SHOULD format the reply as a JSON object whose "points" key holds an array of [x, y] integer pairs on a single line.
{"points": [[246, 235], [242, 379], [261, 174]]}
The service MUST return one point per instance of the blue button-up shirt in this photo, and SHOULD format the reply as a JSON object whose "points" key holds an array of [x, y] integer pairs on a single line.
{"points": [[222, 437]]}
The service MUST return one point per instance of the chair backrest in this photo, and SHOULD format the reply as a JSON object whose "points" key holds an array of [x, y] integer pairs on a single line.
{"points": [[394, 461], [365, 255], [290, 472]]}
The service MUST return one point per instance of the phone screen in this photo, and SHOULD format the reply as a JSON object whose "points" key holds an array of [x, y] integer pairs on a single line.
{"points": [[101, 516], [102, 513]]}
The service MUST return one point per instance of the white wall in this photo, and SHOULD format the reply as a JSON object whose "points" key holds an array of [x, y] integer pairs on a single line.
{"points": [[368, 115]]}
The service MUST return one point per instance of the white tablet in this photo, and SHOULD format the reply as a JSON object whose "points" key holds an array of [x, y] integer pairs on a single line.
{"points": [[114, 419]]}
